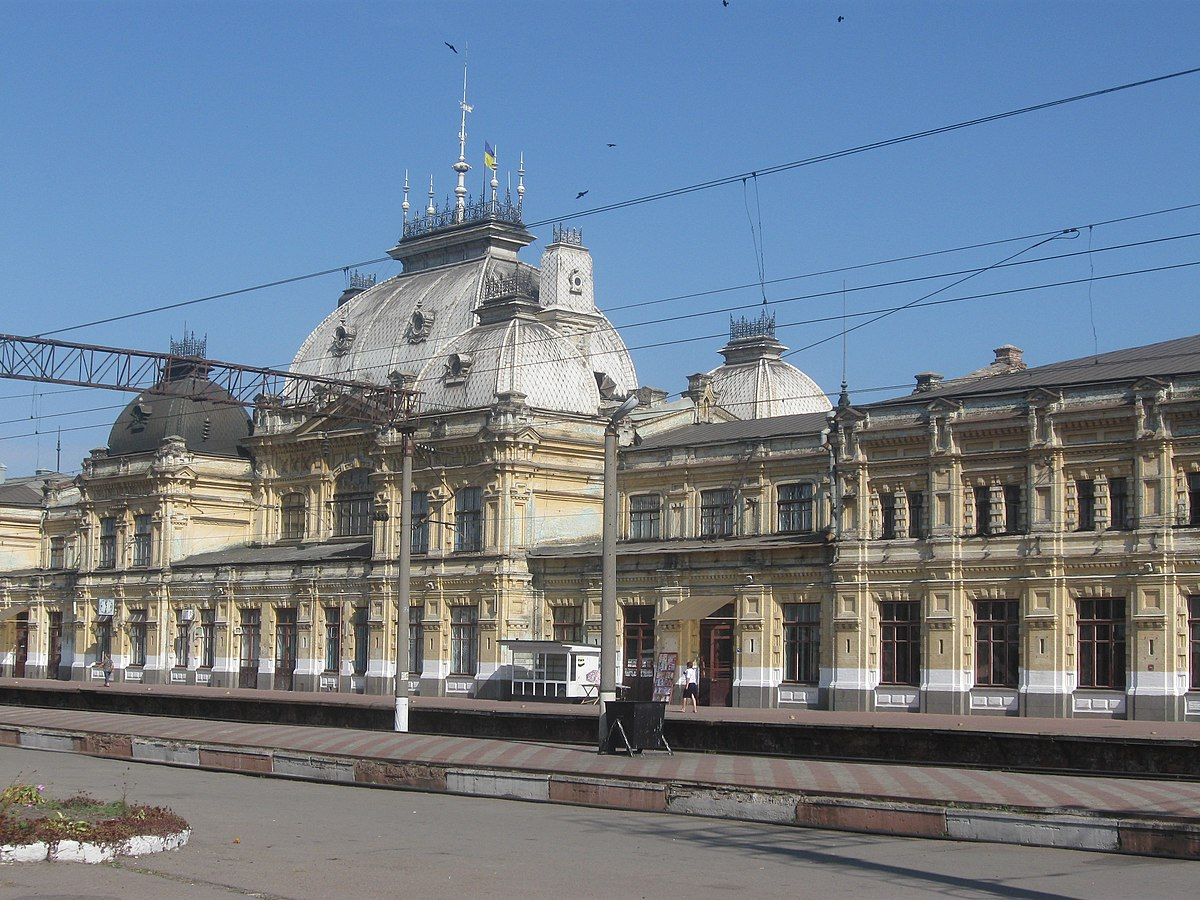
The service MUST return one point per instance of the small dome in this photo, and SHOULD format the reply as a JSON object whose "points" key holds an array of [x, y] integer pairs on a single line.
{"points": [[755, 382], [195, 409], [519, 356]]}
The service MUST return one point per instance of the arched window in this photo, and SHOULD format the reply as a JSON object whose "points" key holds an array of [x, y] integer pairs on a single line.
{"points": [[352, 501], [293, 511]]}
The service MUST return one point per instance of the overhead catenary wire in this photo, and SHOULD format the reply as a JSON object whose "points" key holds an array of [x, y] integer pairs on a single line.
{"points": [[706, 185]]}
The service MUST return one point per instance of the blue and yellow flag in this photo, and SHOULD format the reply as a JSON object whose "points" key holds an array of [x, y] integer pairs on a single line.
{"points": [[489, 156]]}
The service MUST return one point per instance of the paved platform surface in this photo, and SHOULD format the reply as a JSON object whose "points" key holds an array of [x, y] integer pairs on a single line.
{"points": [[1131, 815]]}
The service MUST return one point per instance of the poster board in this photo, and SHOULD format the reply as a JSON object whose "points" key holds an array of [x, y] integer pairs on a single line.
{"points": [[665, 667]]}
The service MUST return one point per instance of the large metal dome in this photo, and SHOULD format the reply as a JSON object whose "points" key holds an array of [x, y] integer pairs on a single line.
{"points": [[188, 406]]}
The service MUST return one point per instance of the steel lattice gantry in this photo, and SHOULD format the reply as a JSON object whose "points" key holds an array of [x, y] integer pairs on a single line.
{"points": [[138, 371]]}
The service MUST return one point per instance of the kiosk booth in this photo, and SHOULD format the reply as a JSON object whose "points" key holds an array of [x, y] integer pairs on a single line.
{"points": [[550, 670]]}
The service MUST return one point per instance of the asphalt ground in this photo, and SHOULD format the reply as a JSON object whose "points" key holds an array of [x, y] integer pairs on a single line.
{"points": [[1144, 816]]}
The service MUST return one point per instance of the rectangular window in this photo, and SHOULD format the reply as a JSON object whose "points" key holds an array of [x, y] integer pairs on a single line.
{"points": [[1102, 643], [1118, 503], [137, 637], [716, 513], [1014, 509], [183, 638], [1193, 481], [1194, 641], [420, 522], [208, 638], [58, 552], [416, 646], [997, 638], [141, 540], [568, 624], [464, 639], [468, 520], [362, 636], [333, 638], [108, 542], [983, 509], [1085, 492], [796, 507], [292, 511], [900, 642], [916, 514], [801, 642], [887, 511], [645, 517], [353, 503]]}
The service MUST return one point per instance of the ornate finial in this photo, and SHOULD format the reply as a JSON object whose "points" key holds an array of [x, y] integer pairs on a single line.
{"points": [[462, 166], [844, 398], [521, 181], [495, 180], [404, 205], [432, 209]]}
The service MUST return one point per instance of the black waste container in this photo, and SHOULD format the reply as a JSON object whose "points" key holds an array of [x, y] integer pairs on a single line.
{"points": [[641, 721]]}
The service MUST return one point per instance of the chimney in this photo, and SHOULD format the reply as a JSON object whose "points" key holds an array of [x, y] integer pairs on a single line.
{"points": [[927, 381], [1009, 357]]}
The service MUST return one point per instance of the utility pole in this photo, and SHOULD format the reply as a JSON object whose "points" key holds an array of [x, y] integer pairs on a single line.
{"points": [[608, 571], [403, 590]]}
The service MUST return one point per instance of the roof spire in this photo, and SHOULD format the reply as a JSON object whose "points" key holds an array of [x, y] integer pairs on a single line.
{"points": [[521, 181], [404, 205], [462, 166]]}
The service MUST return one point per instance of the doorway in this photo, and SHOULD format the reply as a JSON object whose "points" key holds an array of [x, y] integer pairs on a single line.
{"points": [[54, 662], [22, 654], [638, 667], [251, 629], [285, 648], [716, 654]]}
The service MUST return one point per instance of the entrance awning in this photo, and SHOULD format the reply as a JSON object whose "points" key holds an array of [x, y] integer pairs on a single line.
{"points": [[11, 612], [694, 608]]}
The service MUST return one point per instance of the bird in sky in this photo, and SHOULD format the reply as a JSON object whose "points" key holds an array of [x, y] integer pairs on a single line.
{"points": [[724, 2], [581, 194], [455, 49], [612, 145], [841, 18]]}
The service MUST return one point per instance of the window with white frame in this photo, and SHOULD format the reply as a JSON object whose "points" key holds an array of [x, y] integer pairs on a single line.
{"points": [[464, 639], [293, 512], [353, 500], [141, 540], [716, 513], [645, 517], [468, 520], [108, 542], [795, 507], [137, 637]]}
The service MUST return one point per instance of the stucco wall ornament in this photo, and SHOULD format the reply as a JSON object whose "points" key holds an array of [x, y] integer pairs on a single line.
{"points": [[419, 326]]}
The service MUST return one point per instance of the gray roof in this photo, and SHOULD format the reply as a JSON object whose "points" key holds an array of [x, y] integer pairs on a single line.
{"points": [[585, 549], [279, 553], [25, 490], [1180, 356], [732, 432]]}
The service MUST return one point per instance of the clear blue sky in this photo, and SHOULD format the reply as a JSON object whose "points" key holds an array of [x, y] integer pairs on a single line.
{"points": [[157, 152]]}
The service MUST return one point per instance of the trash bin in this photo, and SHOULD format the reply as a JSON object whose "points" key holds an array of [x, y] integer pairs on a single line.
{"points": [[635, 725]]}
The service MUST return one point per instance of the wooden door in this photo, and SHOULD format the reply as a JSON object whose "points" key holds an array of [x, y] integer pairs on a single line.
{"points": [[716, 649], [22, 655], [638, 675], [248, 651], [54, 661], [285, 648]]}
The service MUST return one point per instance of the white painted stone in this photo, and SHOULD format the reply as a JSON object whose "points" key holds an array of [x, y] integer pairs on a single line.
{"points": [[76, 851], [1013, 828], [754, 806], [480, 783], [312, 767], [41, 741], [151, 751], [19, 853]]}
